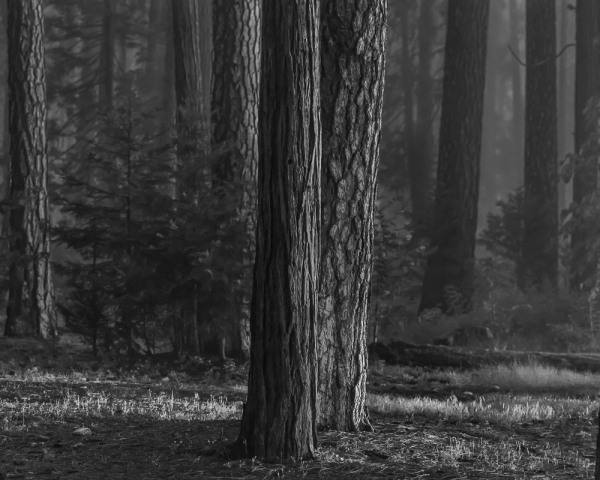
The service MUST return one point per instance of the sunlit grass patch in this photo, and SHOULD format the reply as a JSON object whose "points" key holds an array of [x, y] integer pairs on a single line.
{"points": [[495, 408], [532, 376], [162, 406]]}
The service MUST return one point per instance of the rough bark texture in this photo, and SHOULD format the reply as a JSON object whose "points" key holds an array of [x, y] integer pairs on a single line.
{"points": [[448, 279], [279, 419], [31, 292], [236, 67], [353, 46], [539, 261], [587, 85]]}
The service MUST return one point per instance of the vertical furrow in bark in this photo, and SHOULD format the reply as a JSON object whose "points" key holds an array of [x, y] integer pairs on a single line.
{"points": [[353, 41], [279, 417], [31, 291]]}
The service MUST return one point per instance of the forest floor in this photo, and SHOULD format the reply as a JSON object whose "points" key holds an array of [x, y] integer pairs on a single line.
{"points": [[64, 414]]}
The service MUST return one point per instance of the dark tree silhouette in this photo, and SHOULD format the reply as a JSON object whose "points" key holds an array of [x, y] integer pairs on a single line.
{"points": [[539, 261], [31, 299], [352, 95], [279, 419], [587, 85], [448, 279]]}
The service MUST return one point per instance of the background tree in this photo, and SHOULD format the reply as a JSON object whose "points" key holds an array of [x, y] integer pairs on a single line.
{"points": [[352, 96], [192, 31], [30, 299], [448, 279], [279, 419], [539, 261], [236, 68], [587, 83]]}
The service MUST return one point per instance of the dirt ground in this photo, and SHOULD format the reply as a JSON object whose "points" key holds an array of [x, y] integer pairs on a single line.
{"points": [[43, 446]]}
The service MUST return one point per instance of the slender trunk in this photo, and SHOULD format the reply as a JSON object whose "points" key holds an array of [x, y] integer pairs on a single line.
{"points": [[518, 109], [585, 176], [279, 419], [352, 58], [31, 296], [449, 279], [421, 156], [539, 254]]}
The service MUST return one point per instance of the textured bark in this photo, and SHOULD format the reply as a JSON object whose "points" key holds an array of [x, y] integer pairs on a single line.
{"points": [[235, 118], [279, 419], [353, 48], [539, 261], [31, 292], [587, 80], [448, 279], [421, 154]]}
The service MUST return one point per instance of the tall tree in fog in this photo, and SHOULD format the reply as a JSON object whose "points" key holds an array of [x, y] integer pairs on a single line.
{"points": [[192, 42], [352, 59], [279, 417], [31, 298], [236, 68], [587, 83], [539, 260], [421, 141], [448, 279]]}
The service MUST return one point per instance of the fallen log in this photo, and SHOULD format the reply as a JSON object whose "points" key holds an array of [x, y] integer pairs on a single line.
{"points": [[436, 356]]}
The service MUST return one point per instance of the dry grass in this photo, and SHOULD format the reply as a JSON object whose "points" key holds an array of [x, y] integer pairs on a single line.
{"points": [[141, 426], [502, 409]]}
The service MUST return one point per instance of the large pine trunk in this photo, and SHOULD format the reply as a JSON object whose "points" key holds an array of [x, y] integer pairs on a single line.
{"points": [[585, 181], [539, 261], [236, 67], [279, 419], [353, 46], [448, 282], [31, 298]]}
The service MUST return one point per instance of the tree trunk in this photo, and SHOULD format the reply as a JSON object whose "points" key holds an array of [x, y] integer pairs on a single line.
{"points": [[421, 155], [235, 120], [518, 110], [448, 279], [279, 419], [31, 293], [192, 40], [585, 175], [539, 262], [107, 55], [353, 49]]}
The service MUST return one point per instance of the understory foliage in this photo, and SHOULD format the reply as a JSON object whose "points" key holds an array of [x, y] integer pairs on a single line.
{"points": [[151, 260]]}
